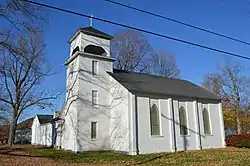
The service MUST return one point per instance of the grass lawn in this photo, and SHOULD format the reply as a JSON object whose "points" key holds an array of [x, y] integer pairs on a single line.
{"points": [[48, 156]]}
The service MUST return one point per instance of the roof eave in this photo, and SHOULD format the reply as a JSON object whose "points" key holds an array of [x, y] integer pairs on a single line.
{"points": [[87, 54], [74, 36], [174, 95], [103, 36], [107, 37]]}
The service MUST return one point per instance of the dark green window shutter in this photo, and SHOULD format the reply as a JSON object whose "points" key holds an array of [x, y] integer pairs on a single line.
{"points": [[154, 120], [206, 121], [93, 130], [183, 121]]}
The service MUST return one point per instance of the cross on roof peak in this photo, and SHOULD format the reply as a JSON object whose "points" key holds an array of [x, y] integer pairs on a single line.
{"points": [[90, 20]]}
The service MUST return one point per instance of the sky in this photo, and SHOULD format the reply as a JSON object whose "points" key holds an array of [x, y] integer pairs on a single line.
{"points": [[228, 17]]}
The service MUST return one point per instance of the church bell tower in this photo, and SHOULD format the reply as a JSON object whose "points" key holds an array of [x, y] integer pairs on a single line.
{"points": [[88, 86]]}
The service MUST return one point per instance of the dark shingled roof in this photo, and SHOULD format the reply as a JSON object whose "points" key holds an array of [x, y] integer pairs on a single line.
{"points": [[145, 83], [95, 32], [44, 118], [26, 124]]}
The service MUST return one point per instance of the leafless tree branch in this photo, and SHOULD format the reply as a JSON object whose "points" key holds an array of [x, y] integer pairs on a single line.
{"points": [[164, 65], [132, 51]]}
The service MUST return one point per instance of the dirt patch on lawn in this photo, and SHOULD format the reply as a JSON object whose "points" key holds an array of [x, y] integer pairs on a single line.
{"points": [[18, 155]]}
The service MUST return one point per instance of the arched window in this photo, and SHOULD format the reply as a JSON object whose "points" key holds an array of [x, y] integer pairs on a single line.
{"points": [[154, 120], [95, 50], [206, 121], [183, 121]]}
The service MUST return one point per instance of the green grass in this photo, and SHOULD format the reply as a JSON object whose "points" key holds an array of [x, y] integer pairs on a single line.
{"points": [[227, 156]]}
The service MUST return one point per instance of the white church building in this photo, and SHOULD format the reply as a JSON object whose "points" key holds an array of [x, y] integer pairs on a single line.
{"points": [[128, 112]]}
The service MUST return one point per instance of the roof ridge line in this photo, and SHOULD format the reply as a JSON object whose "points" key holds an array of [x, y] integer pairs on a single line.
{"points": [[150, 75]]}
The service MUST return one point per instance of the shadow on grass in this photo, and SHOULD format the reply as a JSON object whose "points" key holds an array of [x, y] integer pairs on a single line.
{"points": [[22, 151], [147, 158], [88, 157], [97, 157], [121, 159], [150, 159]]}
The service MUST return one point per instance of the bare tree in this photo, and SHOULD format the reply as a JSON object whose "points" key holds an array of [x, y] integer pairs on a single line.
{"points": [[164, 65], [212, 83], [16, 16], [132, 51], [21, 74], [232, 86], [236, 88]]}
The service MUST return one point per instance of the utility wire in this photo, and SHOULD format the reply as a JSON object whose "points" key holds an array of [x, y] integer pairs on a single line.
{"points": [[179, 22], [141, 30]]}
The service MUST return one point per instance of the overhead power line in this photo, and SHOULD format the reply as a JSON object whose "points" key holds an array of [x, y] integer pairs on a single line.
{"points": [[141, 30], [179, 22]]}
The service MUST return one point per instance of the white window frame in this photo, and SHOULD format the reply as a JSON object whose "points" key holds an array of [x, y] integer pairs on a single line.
{"points": [[159, 109], [157, 103], [209, 118], [95, 68], [186, 109], [96, 130], [95, 101]]}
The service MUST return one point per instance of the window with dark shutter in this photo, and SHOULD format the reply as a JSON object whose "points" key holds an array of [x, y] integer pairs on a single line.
{"points": [[93, 130], [154, 120], [183, 121], [94, 67], [206, 122]]}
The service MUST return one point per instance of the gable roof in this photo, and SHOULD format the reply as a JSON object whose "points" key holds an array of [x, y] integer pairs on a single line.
{"points": [[91, 31], [145, 83], [44, 118], [26, 124], [95, 32]]}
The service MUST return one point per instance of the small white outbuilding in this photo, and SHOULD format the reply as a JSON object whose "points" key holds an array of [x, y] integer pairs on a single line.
{"points": [[42, 130]]}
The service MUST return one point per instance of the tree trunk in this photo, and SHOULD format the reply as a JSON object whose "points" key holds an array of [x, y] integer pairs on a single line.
{"points": [[238, 125], [12, 131], [12, 134], [238, 122]]}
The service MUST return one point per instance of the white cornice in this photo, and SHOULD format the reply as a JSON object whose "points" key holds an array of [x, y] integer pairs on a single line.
{"points": [[85, 54]]}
